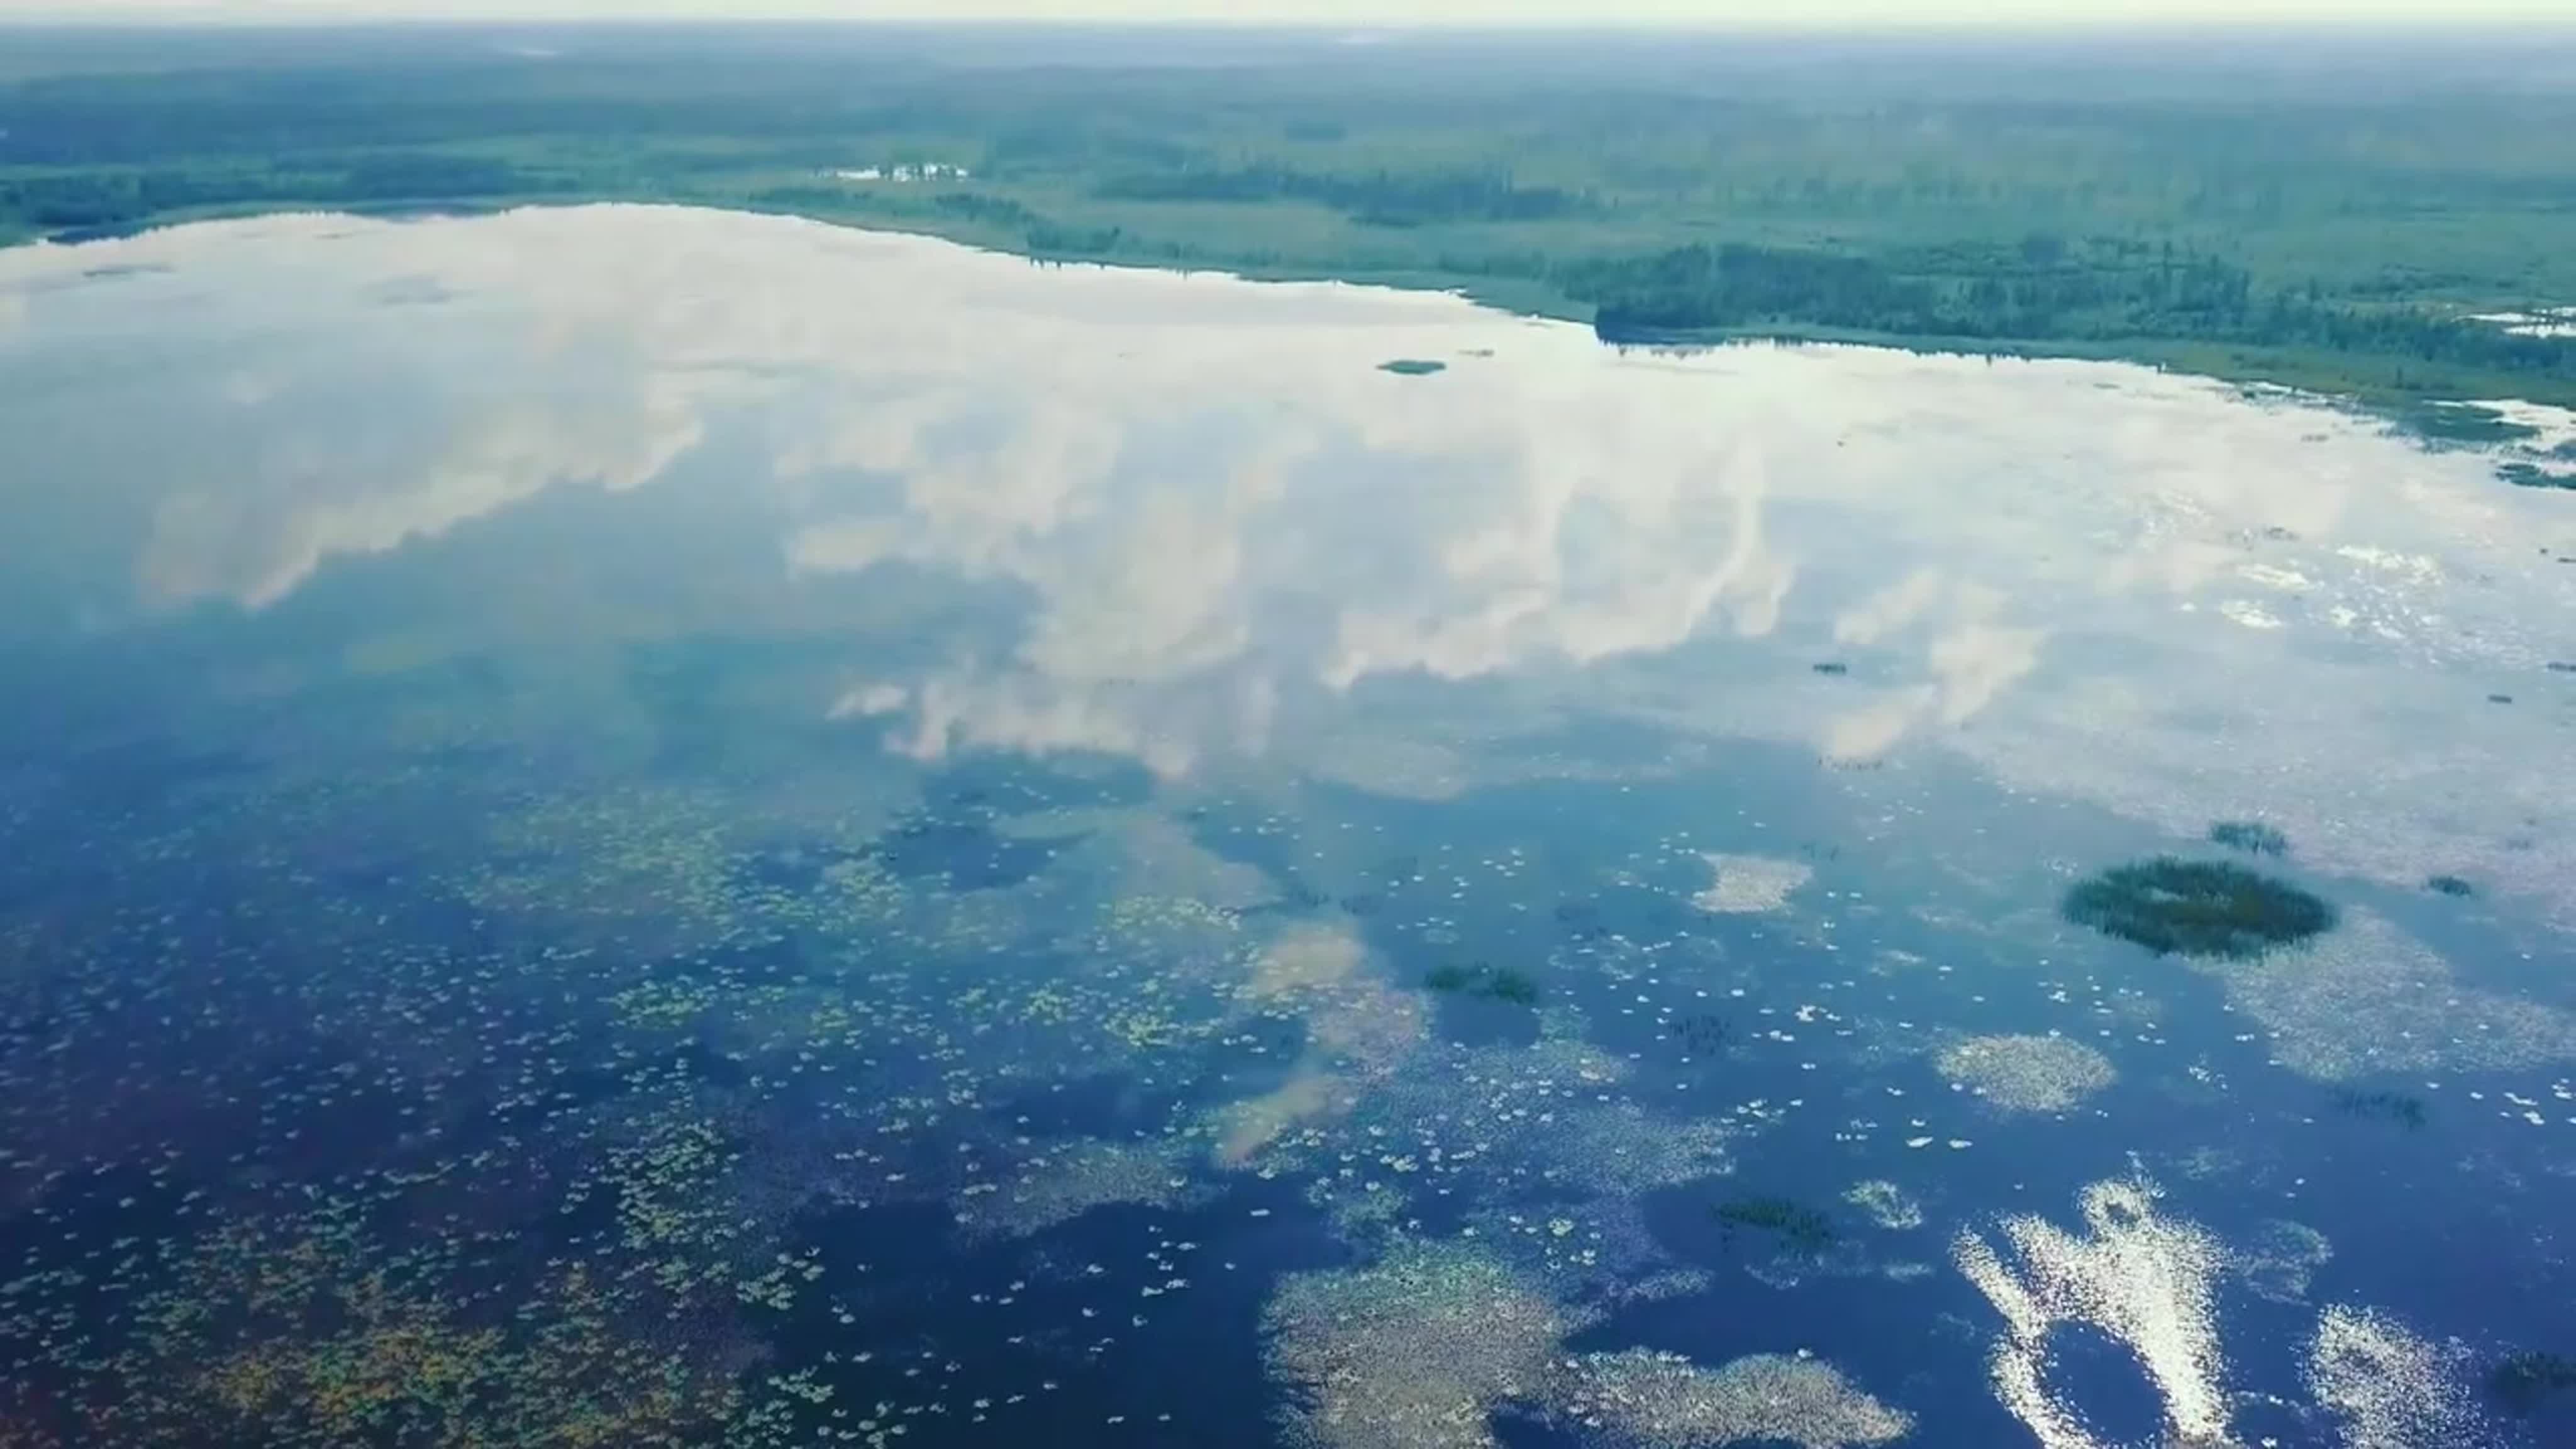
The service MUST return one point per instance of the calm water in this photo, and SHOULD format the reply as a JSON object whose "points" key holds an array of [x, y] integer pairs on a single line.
{"points": [[636, 827]]}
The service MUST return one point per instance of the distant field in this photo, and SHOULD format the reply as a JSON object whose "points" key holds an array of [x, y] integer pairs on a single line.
{"points": [[2327, 220]]}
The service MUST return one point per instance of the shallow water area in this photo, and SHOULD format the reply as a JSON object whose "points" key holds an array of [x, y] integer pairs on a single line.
{"points": [[631, 825]]}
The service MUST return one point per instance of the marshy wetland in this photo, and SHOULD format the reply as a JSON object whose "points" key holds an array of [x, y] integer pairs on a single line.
{"points": [[877, 844]]}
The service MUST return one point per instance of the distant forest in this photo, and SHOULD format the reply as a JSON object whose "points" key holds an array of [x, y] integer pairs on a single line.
{"points": [[2333, 221]]}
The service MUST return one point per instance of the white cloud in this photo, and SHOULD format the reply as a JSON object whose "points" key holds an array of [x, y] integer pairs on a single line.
{"points": [[1216, 527]]}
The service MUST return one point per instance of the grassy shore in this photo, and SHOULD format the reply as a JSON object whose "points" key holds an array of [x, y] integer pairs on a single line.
{"points": [[2333, 223]]}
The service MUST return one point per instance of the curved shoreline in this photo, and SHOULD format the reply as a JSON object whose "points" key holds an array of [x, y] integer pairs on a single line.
{"points": [[2432, 415]]}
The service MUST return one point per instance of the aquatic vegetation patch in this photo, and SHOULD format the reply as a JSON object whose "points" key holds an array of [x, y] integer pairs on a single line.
{"points": [[1416, 1351], [2280, 1258], [1886, 1205], [796, 869], [1423, 1348], [1801, 1228], [1641, 1397], [2372, 999], [2178, 907], [2449, 885], [2389, 1387], [966, 852], [1702, 1032], [1472, 1120], [310, 1331], [2523, 1381], [2398, 1107], [1831, 668], [2251, 836], [1068, 1179], [2027, 1073], [1484, 981], [1751, 884], [1412, 366]]}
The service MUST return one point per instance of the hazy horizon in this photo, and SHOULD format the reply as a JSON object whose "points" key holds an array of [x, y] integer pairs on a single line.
{"points": [[1368, 15]]}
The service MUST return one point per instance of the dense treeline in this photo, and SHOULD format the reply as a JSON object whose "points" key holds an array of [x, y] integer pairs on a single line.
{"points": [[1378, 198], [1697, 288], [87, 201], [1701, 289], [2327, 225]]}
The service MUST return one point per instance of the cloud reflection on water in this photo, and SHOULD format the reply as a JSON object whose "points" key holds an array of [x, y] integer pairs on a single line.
{"points": [[1222, 521]]}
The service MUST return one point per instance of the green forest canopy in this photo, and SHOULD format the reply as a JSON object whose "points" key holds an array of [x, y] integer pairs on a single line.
{"points": [[2328, 220]]}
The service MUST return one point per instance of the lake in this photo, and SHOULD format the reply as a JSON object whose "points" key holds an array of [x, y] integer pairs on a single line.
{"points": [[628, 826]]}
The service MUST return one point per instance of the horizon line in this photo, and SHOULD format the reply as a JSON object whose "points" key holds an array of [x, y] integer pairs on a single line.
{"points": [[2065, 23]]}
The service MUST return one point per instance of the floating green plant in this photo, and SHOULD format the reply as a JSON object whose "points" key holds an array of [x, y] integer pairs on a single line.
{"points": [[1412, 367], [2522, 1381], [2182, 907], [1799, 1226], [2396, 1107], [2449, 885], [1833, 667], [1482, 979], [2251, 836], [1704, 1032]]}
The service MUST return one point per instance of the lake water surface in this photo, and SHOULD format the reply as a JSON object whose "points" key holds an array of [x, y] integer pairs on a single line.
{"points": [[630, 826]]}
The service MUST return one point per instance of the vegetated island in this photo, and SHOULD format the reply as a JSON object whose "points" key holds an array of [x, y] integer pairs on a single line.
{"points": [[2213, 908], [2523, 1380], [1798, 1227], [2362, 223], [1485, 981], [2401, 1108], [2251, 836]]}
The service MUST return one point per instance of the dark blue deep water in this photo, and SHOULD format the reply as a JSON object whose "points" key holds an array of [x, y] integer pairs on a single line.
{"points": [[629, 827]]}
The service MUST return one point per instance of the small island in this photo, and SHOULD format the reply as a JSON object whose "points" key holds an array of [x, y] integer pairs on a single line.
{"points": [[2525, 1379], [2206, 908], [1800, 1228], [1486, 981], [1412, 367], [2251, 836]]}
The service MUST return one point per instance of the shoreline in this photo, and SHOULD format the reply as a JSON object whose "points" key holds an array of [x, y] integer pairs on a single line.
{"points": [[2462, 416]]}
